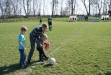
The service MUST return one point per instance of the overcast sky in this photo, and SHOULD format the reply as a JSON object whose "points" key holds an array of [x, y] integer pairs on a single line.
{"points": [[46, 7], [79, 7], [48, 10]]}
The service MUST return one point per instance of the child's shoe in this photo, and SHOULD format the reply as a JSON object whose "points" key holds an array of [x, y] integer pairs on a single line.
{"points": [[22, 67], [28, 62], [46, 58]]}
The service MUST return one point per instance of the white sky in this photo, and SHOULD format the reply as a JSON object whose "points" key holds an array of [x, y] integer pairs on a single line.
{"points": [[46, 9], [79, 7]]}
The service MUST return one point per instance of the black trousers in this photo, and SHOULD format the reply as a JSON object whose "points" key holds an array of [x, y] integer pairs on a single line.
{"points": [[41, 53]]}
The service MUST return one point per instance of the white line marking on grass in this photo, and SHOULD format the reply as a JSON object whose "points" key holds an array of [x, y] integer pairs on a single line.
{"points": [[32, 67], [69, 39], [35, 64]]}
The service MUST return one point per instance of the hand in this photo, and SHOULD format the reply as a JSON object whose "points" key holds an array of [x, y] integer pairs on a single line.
{"points": [[24, 48], [41, 45]]}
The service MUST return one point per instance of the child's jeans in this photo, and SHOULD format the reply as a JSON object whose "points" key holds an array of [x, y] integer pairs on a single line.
{"points": [[22, 57], [41, 53]]}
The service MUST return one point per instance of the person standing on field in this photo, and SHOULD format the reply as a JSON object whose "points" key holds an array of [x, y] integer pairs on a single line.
{"points": [[50, 23], [40, 19], [22, 47], [35, 35]]}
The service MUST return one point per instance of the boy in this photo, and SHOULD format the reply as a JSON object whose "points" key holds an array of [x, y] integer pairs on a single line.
{"points": [[34, 36], [40, 44], [50, 23], [22, 47], [40, 20]]}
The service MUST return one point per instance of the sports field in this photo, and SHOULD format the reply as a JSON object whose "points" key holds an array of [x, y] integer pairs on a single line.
{"points": [[80, 48]]}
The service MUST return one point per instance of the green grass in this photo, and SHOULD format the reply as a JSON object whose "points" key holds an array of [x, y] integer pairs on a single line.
{"points": [[32, 19], [80, 48]]}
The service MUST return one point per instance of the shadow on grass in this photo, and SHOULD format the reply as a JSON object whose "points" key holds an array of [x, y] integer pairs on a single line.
{"points": [[108, 73], [12, 68], [48, 65], [8, 69]]}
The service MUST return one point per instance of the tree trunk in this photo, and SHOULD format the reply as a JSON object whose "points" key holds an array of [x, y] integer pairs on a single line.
{"points": [[89, 6], [72, 1], [83, 1], [24, 7], [52, 7]]}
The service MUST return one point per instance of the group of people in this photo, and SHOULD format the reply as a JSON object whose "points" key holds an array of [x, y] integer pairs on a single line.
{"points": [[49, 22], [37, 36]]}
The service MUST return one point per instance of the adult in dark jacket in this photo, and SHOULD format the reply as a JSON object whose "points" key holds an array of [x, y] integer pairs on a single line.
{"points": [[35, 35]]}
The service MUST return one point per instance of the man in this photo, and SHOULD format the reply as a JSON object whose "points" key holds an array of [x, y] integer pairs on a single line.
{"points": [[50, 23], [34, 36]]}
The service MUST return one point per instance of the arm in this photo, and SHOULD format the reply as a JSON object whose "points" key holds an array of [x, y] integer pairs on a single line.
{"points": [[20, 39], [41, 45], [20, 43]]}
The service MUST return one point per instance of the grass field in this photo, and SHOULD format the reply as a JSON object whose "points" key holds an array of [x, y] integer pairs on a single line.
{"points": [[80, 48]]}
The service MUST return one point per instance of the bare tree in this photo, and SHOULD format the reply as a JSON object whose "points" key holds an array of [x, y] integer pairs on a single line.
{"points": [[73, 4], [15, 7], [61, 3], [20, 7], [90, 3], [8, 8], [106, 4], [54, 6], [84, 2], [99, 5], [68, 6], [110, 6], [36, 7], [39, 8], [66, 11], [1, 8], [44, 6], [26, 6]]}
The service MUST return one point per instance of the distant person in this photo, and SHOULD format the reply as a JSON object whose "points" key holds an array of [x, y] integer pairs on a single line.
{"points": [[40, 19], [50, 23], [86, 18], [22, 47], [40, 44], [35, 35]]}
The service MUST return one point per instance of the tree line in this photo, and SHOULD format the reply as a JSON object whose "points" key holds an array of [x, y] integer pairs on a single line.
{"points": [[16, 8]]}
